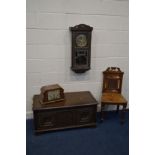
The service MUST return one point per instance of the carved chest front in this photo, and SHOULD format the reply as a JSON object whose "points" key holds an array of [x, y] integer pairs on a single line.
{"points": [[77, 110]]}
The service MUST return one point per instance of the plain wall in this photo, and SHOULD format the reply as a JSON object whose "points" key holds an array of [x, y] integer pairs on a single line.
{"points": [[48, 57]]}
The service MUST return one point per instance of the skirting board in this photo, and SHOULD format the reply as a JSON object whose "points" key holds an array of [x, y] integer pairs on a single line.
{"points": [[29, 115]]}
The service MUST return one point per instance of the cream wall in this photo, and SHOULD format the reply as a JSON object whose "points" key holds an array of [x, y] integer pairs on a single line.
{"points": [[49, 44]]}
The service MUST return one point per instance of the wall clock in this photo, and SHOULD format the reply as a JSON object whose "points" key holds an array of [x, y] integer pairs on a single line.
{"points": [[81, 47], [51, 93]]}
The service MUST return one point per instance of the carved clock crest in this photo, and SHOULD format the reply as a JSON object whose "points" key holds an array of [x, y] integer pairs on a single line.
{"points": [[81, 47]]}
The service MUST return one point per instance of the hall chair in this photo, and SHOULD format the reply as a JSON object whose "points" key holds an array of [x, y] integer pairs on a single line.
{"points": [[111, 91]]}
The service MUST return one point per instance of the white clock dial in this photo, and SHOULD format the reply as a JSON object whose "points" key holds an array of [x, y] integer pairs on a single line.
{"points": [[53, 95]]}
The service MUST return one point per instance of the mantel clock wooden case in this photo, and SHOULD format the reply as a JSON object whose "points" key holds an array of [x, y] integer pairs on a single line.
{"points": [[51, 93], [81, 47]]}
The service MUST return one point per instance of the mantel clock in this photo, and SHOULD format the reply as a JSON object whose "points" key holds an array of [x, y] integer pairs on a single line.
{"points": [[51, 93], [81, 47]]}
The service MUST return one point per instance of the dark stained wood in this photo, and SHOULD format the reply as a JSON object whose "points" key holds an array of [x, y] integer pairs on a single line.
{"points": [[81, 27], [78, 110], [71, 99], [111, 90], [117, 108], [81, 54], [123, 113]]}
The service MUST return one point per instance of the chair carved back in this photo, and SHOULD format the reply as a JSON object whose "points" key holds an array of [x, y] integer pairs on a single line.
{"points": [[112, 80]]}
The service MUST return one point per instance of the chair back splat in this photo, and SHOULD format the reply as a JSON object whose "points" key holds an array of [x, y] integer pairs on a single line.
{"points": [[112, 80]]}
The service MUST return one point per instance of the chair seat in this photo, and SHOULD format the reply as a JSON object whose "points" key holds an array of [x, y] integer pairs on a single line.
{"points": [[113, 98]]}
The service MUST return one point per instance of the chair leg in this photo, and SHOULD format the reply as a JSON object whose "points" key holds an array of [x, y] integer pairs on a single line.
{"points": [[117, 108], [102, 112], [123, 114]]}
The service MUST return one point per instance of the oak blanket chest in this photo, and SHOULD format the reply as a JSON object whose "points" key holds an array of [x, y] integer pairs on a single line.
{"points": [[78, 110]]}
